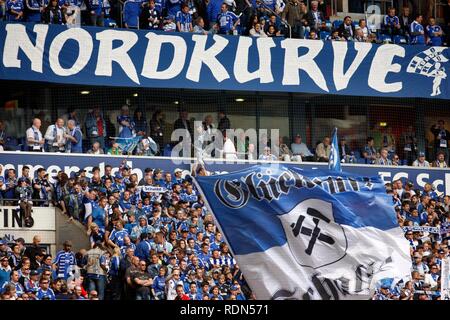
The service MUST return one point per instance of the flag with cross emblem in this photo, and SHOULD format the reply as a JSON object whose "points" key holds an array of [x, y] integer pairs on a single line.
{"points": [[308, 234]]}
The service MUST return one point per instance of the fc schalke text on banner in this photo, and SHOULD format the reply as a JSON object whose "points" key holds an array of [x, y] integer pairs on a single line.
{"points": [[131, 58], [308, 234]]}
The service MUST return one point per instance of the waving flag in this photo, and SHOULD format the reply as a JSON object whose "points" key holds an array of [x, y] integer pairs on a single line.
{"points": [[335, 160], [127, 144], [308, 234]]}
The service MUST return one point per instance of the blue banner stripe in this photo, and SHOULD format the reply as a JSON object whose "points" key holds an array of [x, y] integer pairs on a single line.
{"points": [[138, 58]]}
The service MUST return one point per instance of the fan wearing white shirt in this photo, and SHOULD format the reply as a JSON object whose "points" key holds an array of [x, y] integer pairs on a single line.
{"points": [[35, 140]]}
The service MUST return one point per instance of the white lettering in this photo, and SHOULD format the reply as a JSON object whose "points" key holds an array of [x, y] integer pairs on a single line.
{"points": [[153, 52], [342, 78], [106, 53], [17, 38], [264, 73], [382, 65], [293, 63], [201, 56], [385, 174], [400, 175], [85, 47], [421, 179], [447, 184]]}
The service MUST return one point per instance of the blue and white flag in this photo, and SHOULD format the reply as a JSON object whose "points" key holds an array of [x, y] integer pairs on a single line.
{"points": [[127, 144], [335, 160], [308, 234]]}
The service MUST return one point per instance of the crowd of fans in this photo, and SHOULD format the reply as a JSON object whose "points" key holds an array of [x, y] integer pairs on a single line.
{"points": [[97, 134], [256, 18], [417, 208], [155, 239], [150, 239]]}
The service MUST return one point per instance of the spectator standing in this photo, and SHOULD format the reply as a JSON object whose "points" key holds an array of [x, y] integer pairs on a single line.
{"points": [[74, 138], [391, 24], [143, 282], [35, 140], [96, 128], [417, 31], [405, 21], [126, 125], [224, 122], [65, 261], [434, 33], [441, 138], [140, 122], [34, 10], [227, 21], [53, 13], [96, 269], [14, 10], [173, 6], [314, 17], [184, 123], [213, 10], [150, 17], [294, 13], [96, 15], [184, 19], [409, 145]]}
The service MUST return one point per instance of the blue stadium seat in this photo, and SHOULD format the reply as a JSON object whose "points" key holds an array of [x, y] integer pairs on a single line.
{"points": [[337, 23]]}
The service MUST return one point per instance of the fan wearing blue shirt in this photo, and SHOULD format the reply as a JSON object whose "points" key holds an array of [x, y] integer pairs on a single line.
{"points": [[226, 20], [434, 33], [98, 213], [159, 284], [65, 261], [184, 20], [173, 6], [213, 10], [417, 31], [75, 137], [116, 238], [96, 16], [391, 23], [34, 9], [44, 292], [14, 10], [126, 125]]}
